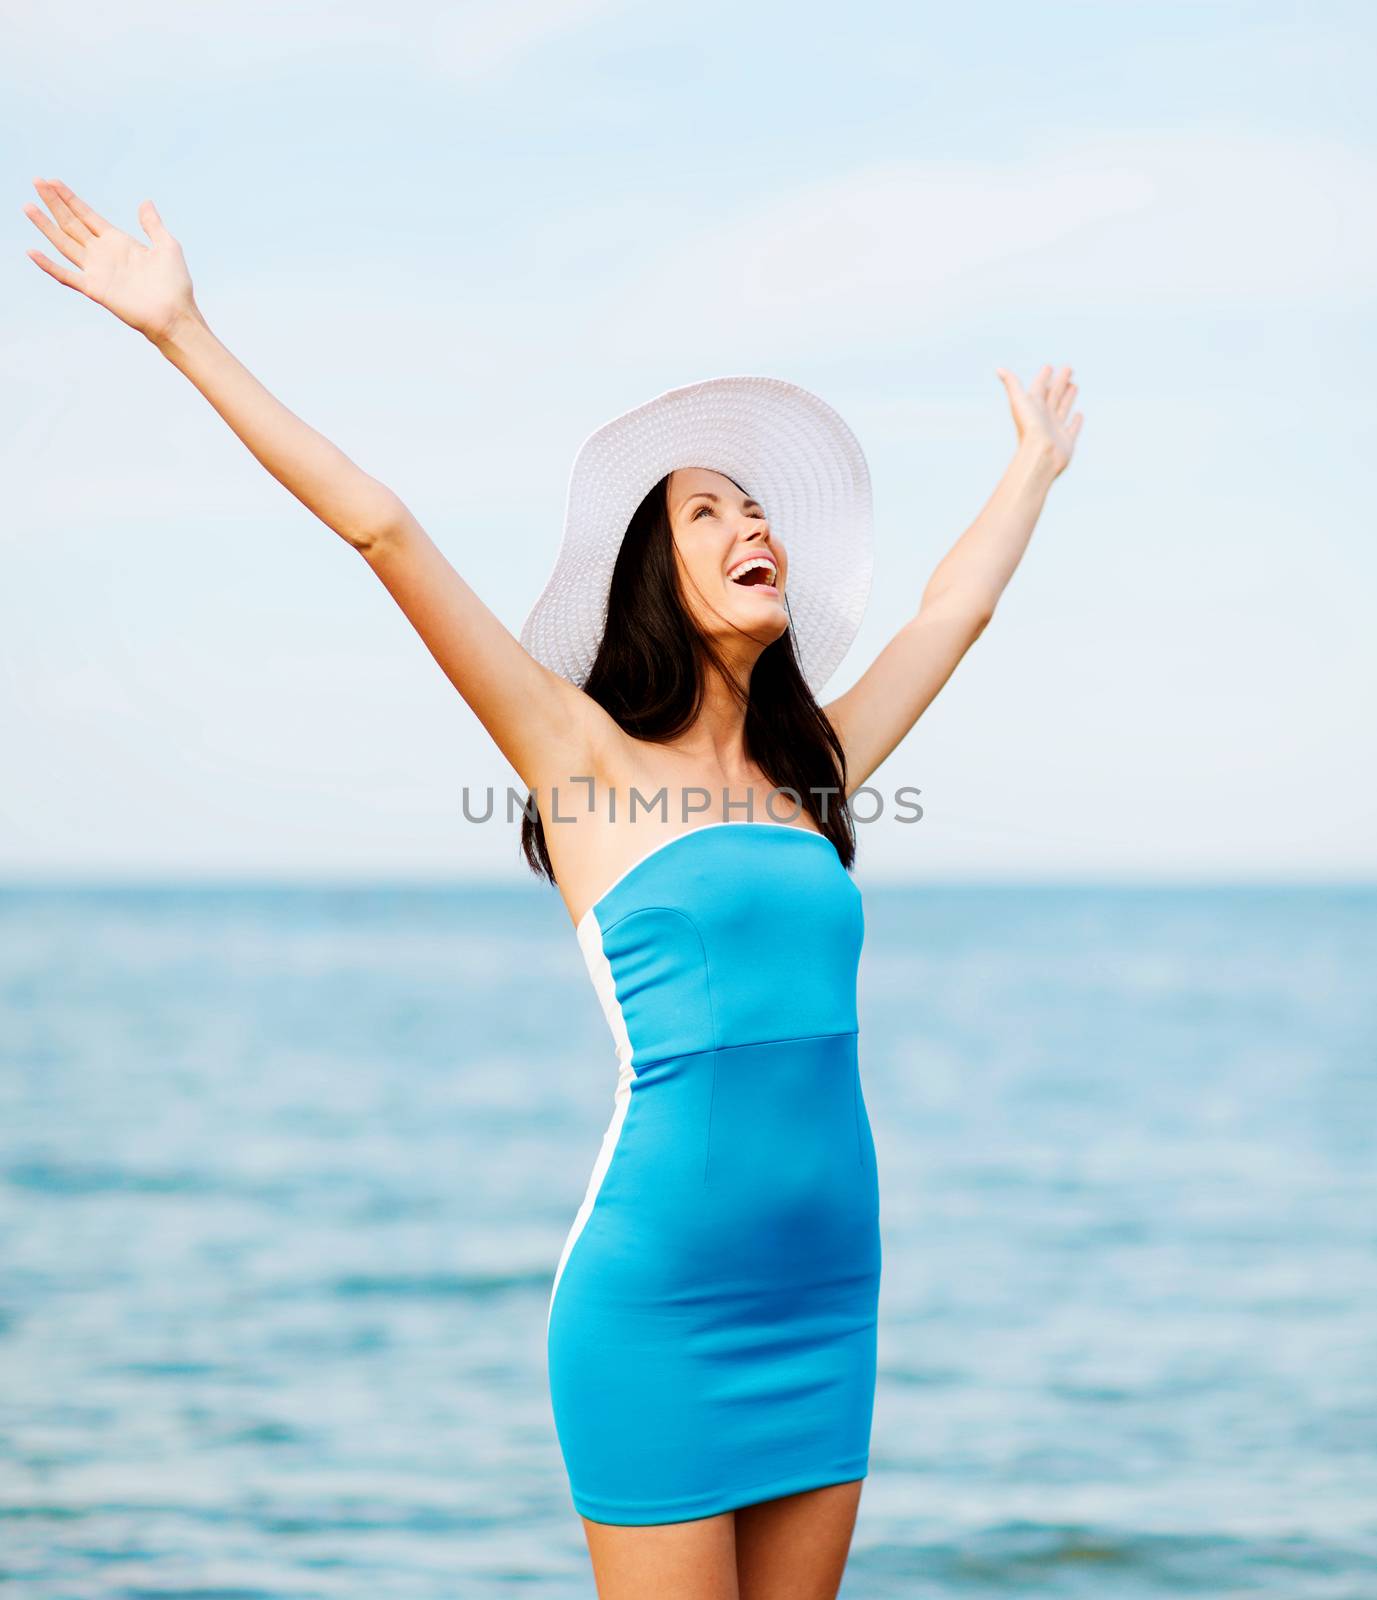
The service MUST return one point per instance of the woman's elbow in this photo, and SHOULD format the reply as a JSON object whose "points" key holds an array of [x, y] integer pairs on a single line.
{"points": [[379, 528], [970, 610]]}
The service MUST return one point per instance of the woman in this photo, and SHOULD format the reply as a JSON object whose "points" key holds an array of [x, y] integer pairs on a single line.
{"points": [[711, 1322]]}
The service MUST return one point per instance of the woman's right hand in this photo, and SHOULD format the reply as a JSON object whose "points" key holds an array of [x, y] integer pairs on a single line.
{"points": [[145, 285]]}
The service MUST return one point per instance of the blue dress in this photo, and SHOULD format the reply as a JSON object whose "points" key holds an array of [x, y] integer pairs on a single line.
{"points": [[711, 1324]]}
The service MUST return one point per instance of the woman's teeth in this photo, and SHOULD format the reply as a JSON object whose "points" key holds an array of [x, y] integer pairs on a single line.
{"points": [[755, 564]]}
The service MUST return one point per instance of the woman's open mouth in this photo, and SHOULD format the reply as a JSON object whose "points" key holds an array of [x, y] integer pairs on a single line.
{"points": [[756, 572]]}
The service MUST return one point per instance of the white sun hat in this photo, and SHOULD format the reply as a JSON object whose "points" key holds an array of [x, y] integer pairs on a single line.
{"points": [[785, 446]]}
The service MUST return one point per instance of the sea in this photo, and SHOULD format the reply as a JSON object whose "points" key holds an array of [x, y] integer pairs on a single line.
{"points": [[285, 1173]]}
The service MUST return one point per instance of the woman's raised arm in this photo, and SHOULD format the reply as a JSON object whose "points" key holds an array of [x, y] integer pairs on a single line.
{"points": [[547, 728], [880, 708]]}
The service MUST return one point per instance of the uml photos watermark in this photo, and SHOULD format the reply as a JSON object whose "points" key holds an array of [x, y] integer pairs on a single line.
{"points": [[866, 804]]}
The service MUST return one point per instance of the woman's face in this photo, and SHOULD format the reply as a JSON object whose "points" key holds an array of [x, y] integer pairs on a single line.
{"points": [[718, 532]]}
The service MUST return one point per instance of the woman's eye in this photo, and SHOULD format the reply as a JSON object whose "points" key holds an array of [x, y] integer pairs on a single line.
{"points": [[757, 513]]}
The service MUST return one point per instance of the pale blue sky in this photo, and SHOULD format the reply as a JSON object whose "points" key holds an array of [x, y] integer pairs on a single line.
{"points": [[457, 239]]}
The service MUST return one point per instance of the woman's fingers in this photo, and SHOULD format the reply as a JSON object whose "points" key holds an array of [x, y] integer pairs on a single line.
{"points": [[1052, 387], [52, 234], [152, 224], [62, 274], [88, 214], [67, 219]]}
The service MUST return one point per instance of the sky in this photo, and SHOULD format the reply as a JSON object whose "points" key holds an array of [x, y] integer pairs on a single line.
{"points": [[457, 239]]}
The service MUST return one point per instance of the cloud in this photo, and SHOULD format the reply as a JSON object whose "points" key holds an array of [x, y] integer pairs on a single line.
{"points": [[467, 40], [473, 40], [1127, 221]]}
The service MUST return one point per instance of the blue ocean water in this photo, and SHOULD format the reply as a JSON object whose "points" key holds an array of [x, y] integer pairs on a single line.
{"points": [[284, 1175]]}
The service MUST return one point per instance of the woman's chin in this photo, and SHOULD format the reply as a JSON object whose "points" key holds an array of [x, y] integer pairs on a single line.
{"points": [[764, 617]]}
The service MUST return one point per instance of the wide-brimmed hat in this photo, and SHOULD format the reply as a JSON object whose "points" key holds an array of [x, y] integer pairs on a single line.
{"points": [[785, 446]]}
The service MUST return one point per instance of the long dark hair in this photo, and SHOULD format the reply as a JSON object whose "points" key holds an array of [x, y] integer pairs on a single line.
{"points": [[650, 672]]}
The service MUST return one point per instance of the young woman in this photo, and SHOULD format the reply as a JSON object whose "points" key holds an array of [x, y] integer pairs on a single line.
{"points": [[711, 1322]]}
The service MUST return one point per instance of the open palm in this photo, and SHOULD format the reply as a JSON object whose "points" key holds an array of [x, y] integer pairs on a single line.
{"points": [[1042, 412], [145, 285]]}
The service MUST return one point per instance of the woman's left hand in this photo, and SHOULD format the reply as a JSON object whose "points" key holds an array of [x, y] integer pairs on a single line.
{"points": [[1042, 414]]}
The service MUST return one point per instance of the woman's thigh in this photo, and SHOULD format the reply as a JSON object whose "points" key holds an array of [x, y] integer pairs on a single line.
{"points": [[670, 1561], [795, 1547]]}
